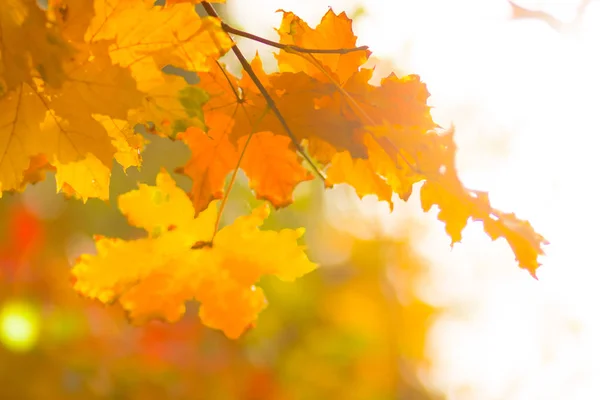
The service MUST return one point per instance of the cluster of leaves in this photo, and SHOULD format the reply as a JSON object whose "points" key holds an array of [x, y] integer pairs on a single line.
{"points": [[76, 77]]}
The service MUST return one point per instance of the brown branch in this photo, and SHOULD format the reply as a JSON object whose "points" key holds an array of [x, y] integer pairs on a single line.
{"points": [[263, 91], [288, 47], [519, 12]]}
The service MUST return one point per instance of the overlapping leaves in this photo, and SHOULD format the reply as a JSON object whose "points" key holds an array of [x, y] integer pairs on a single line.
{"points": [[77, 76]]}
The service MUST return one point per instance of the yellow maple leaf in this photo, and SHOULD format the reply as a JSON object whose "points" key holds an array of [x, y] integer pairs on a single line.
{"points": [[525, 242], [83, 179], [128, 143], [60, 123], [171, 105], [175, 35], [153, 277], [360, 174], [30, 47]]}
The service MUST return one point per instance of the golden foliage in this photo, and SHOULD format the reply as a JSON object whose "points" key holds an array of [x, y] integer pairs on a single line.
{"points": [[76, 77]]}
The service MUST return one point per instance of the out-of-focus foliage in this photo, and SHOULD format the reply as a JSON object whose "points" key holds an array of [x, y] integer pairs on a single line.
{"points": [[355, 329]]}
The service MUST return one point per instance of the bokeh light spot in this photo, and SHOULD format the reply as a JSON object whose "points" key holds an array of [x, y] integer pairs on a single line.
{"points": [[19, 326]]}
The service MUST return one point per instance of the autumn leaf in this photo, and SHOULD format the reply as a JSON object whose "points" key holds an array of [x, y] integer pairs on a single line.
{"points": [[60, 124], [29, 46], [153, 277], [237, 99], [272, 166], [170, 105], [379, 138], [333, 32], [525, 242], [75, 77], [360, 174], [300, 99], [213, 158], [270, 163], [174, 35]]}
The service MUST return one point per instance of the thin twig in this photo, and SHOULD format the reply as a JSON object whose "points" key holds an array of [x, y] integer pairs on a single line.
{"points": [[229, 187], [269, 100], [288, 47]]}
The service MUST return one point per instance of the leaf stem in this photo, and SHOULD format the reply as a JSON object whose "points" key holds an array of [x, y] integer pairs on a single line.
{"points": [[230, 187], [269, 100], [289, 47]]}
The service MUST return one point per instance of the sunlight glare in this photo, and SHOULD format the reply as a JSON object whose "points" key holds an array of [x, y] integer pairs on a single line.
{"points": [[523, 98]]}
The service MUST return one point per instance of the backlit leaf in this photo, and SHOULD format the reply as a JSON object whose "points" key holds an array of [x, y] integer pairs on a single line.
{"points": [[154, 276]]}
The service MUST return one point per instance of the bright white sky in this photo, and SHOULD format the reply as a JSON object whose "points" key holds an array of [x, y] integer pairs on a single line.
{"points": [[524, 100]]}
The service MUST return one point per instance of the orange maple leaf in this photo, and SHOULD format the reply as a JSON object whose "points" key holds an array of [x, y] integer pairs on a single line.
{"points": [[270, 163], [272, 167], [213, 158], [333, 32]]}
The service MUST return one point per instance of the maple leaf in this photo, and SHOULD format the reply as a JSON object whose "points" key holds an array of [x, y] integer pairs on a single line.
{"points": [[170, 105], [270, 163], [175, 35], [307, 107], [29, 46], [272, 167], [385, 140], [333, 32], [296, 96], [74, 79], [213, 158], [178, 261], [237, 99], [91, 89], [360, 174], [525, 242], [59, 123]]}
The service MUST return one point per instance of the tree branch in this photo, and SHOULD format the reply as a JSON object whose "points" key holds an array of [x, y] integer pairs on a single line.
{"points": [[519, 12], [263, 91], [288, 47]]}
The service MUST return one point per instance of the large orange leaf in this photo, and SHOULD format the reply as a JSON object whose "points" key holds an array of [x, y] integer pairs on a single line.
{"points": [[153, 277], [272, 166], [296, 95], [213, 158]]}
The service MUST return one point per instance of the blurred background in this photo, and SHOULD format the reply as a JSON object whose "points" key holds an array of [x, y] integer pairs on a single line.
{"points": [[394, 312]]}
